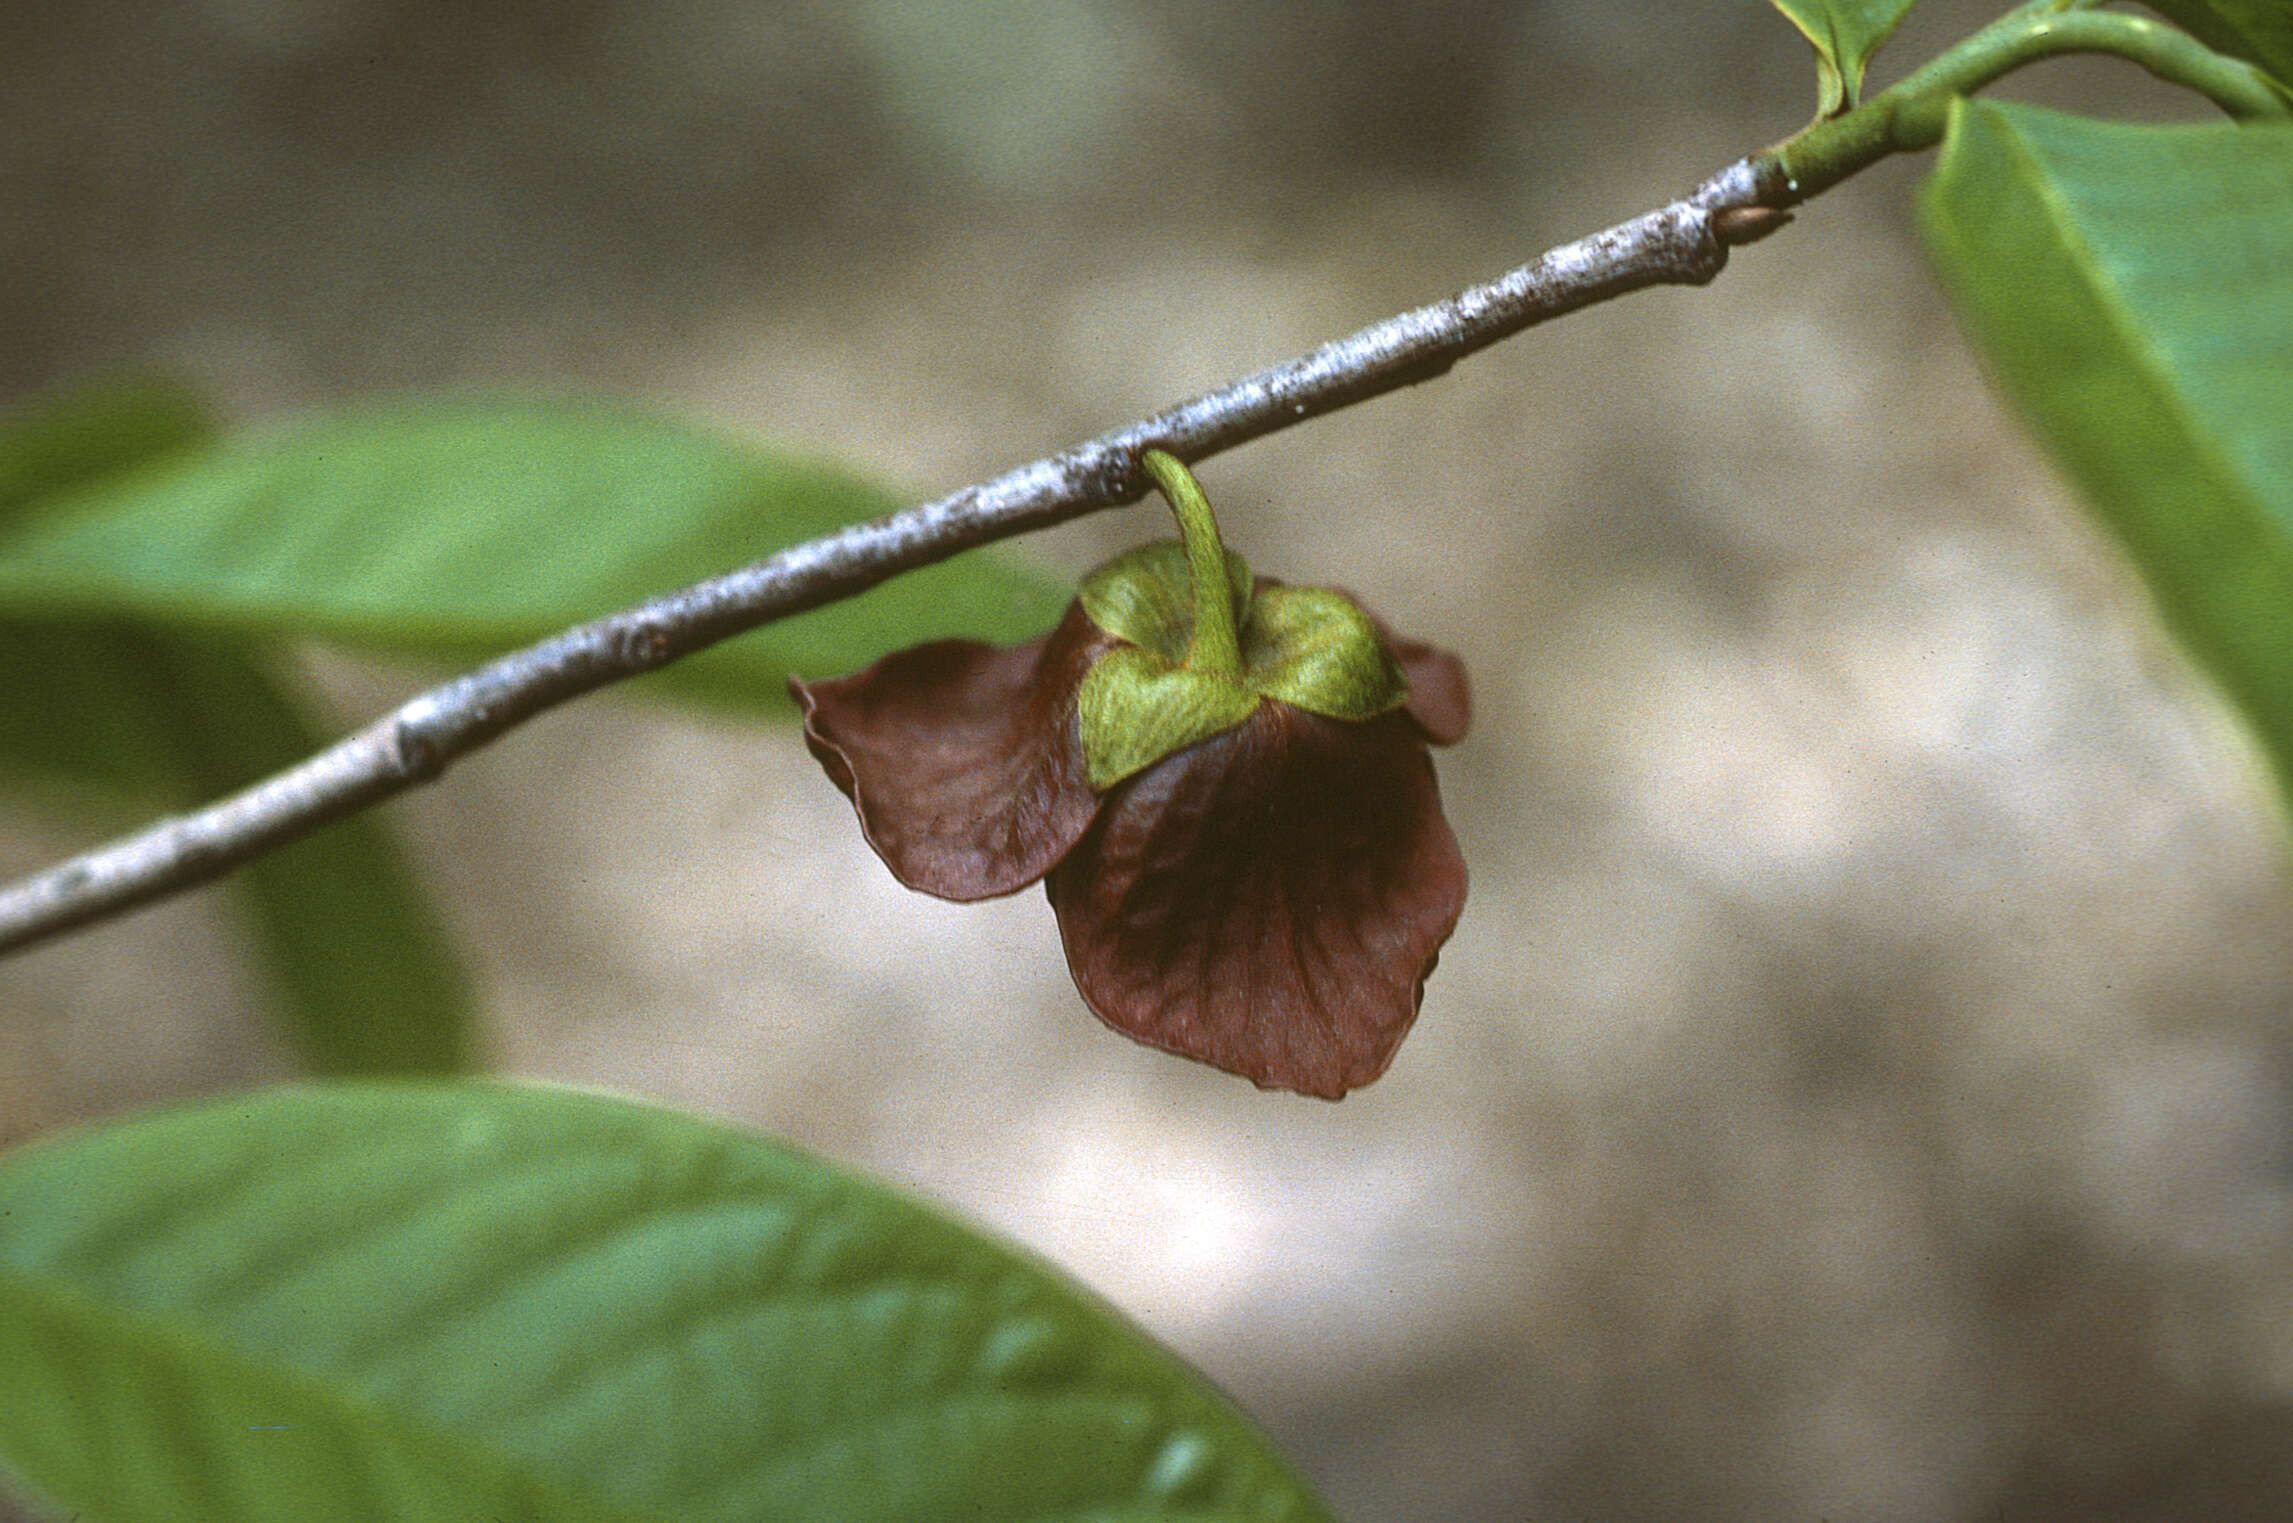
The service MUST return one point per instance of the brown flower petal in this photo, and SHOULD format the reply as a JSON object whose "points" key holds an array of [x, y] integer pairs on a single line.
{"points": [[1440, 697], [1269, 901], [962, 760]]}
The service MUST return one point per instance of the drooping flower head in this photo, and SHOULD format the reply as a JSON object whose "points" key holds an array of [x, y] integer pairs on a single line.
{"points": [[1222, 782]]}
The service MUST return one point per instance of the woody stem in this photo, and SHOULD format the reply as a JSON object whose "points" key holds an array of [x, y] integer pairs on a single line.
{"points": [[1216, 651]]}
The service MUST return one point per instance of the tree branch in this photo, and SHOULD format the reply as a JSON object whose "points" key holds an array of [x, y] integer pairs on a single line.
{"points": [[1685, 243]]}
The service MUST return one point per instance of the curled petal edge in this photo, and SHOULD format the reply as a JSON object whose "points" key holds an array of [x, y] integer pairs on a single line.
{"points": [[962, 760]]}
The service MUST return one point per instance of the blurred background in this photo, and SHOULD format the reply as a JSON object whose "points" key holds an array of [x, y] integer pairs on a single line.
{"points": [[1858, 1087]]}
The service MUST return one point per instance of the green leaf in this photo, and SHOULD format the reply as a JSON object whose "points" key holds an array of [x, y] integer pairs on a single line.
{"points": [[362, 976], [2132, 290], [483, 1302], [1845, 34], [359, 964], [117, 751], [2259, 31], [68, 438], [455, 528]]}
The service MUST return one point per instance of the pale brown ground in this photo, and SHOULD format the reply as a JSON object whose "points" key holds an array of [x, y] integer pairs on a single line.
{"points": [[1858, 1086]]}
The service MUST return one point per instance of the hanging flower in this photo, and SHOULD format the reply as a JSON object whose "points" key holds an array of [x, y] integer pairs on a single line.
{"points": [[1222, 782]]}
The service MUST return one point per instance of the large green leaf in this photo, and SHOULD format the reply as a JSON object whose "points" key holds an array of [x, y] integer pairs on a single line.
{"points": [[68, 438], [1845, 34], [457, 527], [361, 974], [77, 726], [2260, 31], [482, 1302], [2132, 289]]}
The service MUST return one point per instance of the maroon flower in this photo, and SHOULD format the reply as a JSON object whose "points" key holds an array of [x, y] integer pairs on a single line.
{"points": [[1232, 808]]}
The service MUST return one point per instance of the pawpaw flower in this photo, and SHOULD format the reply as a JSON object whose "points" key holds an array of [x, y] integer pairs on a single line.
{"points": [[1222, 782]]}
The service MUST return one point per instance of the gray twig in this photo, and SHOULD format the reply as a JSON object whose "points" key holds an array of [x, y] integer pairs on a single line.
{"points": [[1684, 243]]}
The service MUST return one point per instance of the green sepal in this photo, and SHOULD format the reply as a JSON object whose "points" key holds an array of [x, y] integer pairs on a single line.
{"points": [[1137, 708], [1314, 649], [1308, 647], [1146, 597]]}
